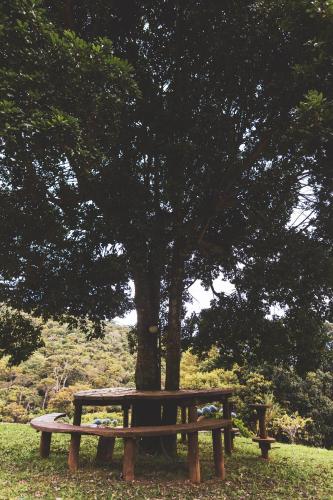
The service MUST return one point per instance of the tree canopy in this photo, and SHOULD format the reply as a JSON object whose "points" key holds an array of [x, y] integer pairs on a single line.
{"points": [[62, 100], [194, 170]]}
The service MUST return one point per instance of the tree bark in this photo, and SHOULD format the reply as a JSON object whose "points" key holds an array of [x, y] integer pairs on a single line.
{"points": [[173, 343], [148, 366], [148, 371]]}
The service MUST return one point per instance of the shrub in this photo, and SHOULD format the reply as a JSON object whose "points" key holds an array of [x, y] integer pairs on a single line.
{"points": [[62, 401], [14, 412], [244, 431], [194, 377], [291, 427]]}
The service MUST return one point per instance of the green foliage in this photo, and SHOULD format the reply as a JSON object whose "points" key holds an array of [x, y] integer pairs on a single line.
{"points": [[311, 396], [114, 414], [244, 431], [306, 402], [19, 335], [293, 427], [194, 376], [61, 105], [242, 332], [66, 363], [14, 412], [62, 401]]}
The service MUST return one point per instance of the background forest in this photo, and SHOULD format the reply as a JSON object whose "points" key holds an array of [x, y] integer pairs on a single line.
{"points": [[302, 408]]}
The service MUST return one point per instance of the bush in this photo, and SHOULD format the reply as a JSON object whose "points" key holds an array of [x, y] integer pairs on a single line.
{"points": [[14, 412], [194, 377], [62, 401], [244, 431], [291, 427], [311, 397]]}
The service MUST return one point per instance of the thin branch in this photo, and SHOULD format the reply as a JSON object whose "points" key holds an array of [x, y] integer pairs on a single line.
{"points": [[306, 218], [217, 294]]}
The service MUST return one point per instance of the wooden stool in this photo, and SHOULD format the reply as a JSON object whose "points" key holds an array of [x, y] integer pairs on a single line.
{"points": [[263, 440]]}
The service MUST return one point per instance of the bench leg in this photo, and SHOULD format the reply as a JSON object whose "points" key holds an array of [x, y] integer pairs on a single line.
{"points": [[193, 457], [105, 449], [218, 453], [73, 455], [129, 458], [45, 444], [77, 413], [183, 416], [227, 431]]}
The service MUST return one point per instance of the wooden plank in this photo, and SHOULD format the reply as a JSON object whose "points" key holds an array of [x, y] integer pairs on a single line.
{"points": [[108, 395], [45, 444], [129, 459], [218, 453], [162, 430], [193, 458], [258, 439], [105, 449], [49, 417], [73, 455]]}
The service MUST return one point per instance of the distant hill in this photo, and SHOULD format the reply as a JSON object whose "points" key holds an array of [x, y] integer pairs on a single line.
{"points": [[66, 363]]}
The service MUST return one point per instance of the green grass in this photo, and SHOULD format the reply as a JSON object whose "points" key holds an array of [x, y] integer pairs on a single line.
{"points": [[294, 472]]}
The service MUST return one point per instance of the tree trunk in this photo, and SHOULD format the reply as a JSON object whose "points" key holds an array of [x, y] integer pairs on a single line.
{"points": [[173, 343], [148, 371], [148, 366]]}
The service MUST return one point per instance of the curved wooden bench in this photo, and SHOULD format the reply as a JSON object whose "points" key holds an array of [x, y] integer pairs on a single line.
{"points": [[47, 425], [45, 440]]}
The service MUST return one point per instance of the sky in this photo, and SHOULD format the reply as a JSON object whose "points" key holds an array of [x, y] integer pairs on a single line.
{"points": [[200, 299]]}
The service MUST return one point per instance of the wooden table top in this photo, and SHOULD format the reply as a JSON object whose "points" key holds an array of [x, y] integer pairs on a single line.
{"points": [[123, 395]]}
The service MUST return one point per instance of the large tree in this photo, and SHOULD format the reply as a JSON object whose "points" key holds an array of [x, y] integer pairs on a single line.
{"points": [[185, 182]]}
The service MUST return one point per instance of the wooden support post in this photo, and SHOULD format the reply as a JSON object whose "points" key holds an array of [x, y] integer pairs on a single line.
{"points": [[227, 431], [265, 447], [77, 413], [218, 453], [129, 459], [193, 457], [183, 418], [232, 441], [125, 415], [263, 440], [262, 422], [192, 413], [105, 449], [45, 444], [73, 455]]}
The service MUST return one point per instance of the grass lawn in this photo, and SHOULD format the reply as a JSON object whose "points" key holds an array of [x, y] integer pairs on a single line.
{"points": [[294, 472]]}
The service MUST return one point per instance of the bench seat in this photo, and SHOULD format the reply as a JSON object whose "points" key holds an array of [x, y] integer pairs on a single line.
{"points": [[47, 424]]}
